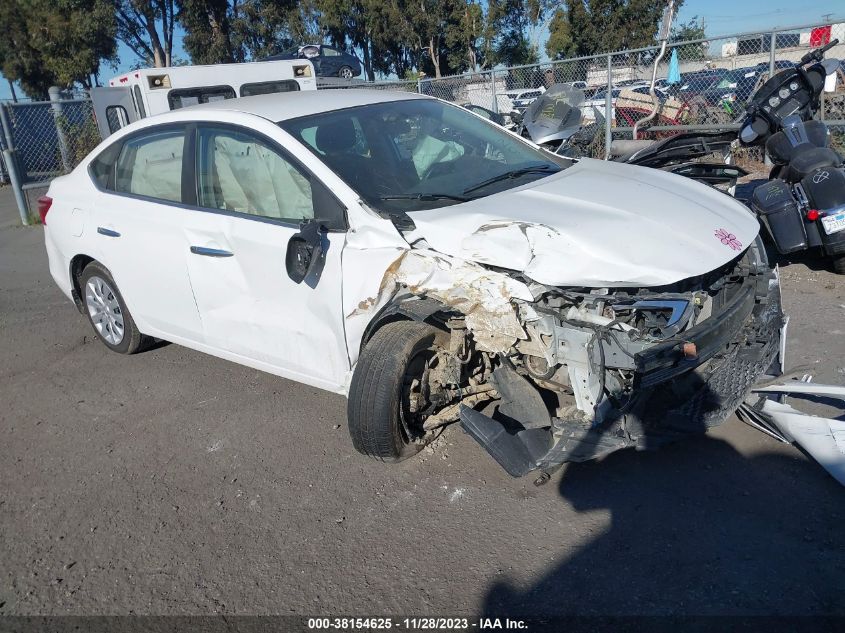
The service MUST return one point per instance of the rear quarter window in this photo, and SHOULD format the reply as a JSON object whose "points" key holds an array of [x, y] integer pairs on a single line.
{"points": [[102, 168]]}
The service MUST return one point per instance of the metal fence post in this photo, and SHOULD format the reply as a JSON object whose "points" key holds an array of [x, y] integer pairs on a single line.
{"points": [[55, 102], [10, 158], [495, 107], [608, 108], [772, 45], [772, 55]]}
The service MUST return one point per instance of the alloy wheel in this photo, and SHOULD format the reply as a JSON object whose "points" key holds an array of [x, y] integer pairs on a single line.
{"points": [[104, 310]]}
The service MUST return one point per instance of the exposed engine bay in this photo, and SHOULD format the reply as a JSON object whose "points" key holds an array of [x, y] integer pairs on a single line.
{"points": [[543, 375]]}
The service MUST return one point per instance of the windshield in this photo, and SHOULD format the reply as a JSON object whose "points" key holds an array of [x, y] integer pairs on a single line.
{"points": [[419, 154]]}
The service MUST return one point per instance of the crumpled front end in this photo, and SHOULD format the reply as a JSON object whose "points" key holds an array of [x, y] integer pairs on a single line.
{"points": [[542, 375], [640, 367]]}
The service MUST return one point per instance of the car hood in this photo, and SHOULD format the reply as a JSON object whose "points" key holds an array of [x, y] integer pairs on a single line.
{"points": [[596, 224]]}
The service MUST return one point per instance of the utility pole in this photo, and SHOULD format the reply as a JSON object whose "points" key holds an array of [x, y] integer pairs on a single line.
{"points": [[826, 17]]}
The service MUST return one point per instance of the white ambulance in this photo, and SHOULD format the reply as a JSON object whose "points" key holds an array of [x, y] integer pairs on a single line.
{"points": [[149, 91]]}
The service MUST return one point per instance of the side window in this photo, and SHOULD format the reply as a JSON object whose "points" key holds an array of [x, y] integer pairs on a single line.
{"points": [[184, 97], [102, 168], [151, 165], [238, 172], [269, 87], [116, 117], [328, 51]]}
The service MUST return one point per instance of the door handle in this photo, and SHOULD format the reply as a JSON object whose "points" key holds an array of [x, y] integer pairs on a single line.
{"points": [[210, 252], [107, 232]]}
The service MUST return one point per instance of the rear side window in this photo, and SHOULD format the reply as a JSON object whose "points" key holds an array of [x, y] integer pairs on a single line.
{"points": [[269, 87], [184, 97], [151, 165]]}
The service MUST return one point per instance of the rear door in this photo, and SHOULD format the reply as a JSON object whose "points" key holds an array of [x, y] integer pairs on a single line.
{"points": [[113, 109], [330, 61], [253, 197], [138, 232]]}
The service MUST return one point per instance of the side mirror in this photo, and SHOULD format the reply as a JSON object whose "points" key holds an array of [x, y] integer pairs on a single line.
{"points": [[306, 256]]}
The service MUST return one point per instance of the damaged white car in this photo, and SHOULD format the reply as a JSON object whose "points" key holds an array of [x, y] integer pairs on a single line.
{"points": [[427, 263]]}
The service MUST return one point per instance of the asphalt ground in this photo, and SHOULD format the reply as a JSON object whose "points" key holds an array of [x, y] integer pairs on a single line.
{"points": [[172, 482]]}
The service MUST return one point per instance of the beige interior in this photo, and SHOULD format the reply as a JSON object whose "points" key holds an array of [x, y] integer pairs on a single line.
{"points": [[250, 178], [157, 169]]}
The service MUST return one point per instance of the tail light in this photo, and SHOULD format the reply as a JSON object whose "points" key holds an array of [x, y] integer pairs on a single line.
{"points": [[813, 215], [44, 203]]}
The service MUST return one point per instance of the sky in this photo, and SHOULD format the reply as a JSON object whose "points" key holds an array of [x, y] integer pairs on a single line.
{"points": [[721, 17]]}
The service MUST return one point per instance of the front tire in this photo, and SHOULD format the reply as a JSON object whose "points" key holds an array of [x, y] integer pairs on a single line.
{"points": [[381, 423], [345, 72], [107, 312]]}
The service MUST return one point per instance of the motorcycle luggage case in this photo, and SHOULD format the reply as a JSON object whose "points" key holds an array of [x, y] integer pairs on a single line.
{"points": [[825, 190], [779, 212]]}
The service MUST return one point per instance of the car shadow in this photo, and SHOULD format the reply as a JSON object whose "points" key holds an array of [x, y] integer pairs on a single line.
{"points": [[695, 528]]}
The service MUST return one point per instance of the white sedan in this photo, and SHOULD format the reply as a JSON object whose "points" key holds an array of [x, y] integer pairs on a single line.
{"points": [[425, 262]]}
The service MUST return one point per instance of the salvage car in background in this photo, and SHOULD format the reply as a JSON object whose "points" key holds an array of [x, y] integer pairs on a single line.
{"points": [[426, 263], [328, 61]]}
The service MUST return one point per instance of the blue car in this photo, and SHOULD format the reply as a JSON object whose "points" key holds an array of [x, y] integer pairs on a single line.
{"points": [[328, 61]]}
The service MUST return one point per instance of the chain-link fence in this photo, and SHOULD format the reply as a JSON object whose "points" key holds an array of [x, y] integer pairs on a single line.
{"points": [[44, 139], [700, 84]]}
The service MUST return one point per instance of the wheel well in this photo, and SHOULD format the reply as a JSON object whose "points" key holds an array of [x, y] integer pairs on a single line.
{"points": [[424, 310], [77, 265]]}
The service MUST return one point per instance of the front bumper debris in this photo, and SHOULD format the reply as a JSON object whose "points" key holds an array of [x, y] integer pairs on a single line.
{"points": [[822, 438], [676, 396]]}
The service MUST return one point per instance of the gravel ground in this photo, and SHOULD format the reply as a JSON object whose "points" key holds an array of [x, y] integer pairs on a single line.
{"points": [[174, 483]]}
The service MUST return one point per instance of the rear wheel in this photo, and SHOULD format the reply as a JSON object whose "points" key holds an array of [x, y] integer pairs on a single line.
{"points": [[388, 391], [107, 312], [345, 72], [839, 265]]}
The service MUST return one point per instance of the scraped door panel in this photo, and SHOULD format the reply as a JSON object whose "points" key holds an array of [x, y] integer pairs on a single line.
{"points": [[256, 199], [251, 308]]}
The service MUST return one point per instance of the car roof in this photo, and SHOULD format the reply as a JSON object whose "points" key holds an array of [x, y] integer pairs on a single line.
{"points": [[291, 105]]}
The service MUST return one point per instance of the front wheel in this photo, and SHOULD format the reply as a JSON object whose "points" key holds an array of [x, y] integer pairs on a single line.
{"points": [[839, 265], [388, 391], [345, 72]]}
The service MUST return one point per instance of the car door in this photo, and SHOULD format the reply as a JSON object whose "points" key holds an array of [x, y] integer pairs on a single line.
{"points": [[139, 237], [253, 197], [113, 109], [330, 60]]}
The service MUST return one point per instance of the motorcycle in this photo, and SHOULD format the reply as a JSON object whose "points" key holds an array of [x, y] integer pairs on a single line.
{"points": [[554, 121], [551, 118], [802, 207]]}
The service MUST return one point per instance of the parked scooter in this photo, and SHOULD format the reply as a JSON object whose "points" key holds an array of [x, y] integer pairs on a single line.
{"points": [[803, 204]]}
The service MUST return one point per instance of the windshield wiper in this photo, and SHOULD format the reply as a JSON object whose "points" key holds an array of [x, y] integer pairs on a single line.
{"points": [[513, 173], [426, 197]]}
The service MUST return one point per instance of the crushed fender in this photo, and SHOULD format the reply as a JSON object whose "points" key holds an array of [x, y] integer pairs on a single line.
{"points": [[483, 296]]}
